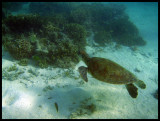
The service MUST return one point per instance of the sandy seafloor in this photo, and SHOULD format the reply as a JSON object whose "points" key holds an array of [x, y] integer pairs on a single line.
{"points": [[33, 93]]}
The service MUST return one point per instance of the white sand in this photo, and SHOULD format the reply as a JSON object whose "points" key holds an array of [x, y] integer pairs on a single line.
{"points": [[32, 95]]}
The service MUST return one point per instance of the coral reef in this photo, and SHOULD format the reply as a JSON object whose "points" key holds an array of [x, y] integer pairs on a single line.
{"points": [[41, 8], [65, 53], [5, 29], [49, 8], [6, 39], [112, 17], [20, 48], [57, 38], [51, 32], [76, 32], [59, 20], [24, 23], [79, 16], [102, 37], [127, 34]]}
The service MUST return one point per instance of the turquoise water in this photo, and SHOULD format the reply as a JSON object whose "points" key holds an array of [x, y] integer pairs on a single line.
{"points": [[31, 90]]}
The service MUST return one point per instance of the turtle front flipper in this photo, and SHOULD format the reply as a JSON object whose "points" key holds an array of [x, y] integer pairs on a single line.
{"points": [[132, 90], [83, 72], [140, 84]]}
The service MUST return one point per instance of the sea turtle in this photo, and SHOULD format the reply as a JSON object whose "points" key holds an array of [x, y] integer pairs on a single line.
{"points": [[108, 71]]}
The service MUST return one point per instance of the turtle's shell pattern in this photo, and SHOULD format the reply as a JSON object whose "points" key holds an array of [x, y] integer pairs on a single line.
{"points": [[109, 71]]}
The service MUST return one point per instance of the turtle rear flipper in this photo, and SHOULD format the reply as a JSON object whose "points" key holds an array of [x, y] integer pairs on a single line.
{"points": [[140, 84], [132, 90], [83, 72]]}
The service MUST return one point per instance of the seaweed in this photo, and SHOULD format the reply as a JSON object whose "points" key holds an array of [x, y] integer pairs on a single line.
{"points": [[40, 106], [12, 68], [11, 73], [23, 62], [43, 63], [33, 72]]}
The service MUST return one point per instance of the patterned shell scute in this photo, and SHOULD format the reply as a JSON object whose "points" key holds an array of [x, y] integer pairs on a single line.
{"points": [[109, 71]]}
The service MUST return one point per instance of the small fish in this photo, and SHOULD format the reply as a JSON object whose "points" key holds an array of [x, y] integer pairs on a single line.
{"points": [[56, 105]]}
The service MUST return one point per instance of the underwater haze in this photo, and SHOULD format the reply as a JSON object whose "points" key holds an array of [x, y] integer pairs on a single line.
{"points": [[79, 60]]}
